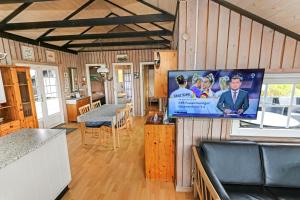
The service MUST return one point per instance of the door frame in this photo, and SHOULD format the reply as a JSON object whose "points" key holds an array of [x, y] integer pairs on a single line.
{"points": [[142, 84], [88, 81], [132, 84], [56, 68]]}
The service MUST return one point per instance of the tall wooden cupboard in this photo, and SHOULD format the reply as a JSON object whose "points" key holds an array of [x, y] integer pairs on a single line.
{"points": [[168, 61], [19, 109]]}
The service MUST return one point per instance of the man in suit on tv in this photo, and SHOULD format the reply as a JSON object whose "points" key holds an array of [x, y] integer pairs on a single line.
{"points": [[235, 100]]}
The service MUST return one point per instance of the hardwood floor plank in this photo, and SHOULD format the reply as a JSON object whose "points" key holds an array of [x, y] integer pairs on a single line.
{"points": [[101, 174]]}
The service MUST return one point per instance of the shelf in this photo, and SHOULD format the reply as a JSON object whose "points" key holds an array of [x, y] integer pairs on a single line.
{"points": [[8, 85], [5, 107], [23, 84], [6, 121], [26, 102]]}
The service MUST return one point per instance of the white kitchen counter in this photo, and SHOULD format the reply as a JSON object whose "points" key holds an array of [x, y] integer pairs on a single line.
{"points": [[34, 164]]}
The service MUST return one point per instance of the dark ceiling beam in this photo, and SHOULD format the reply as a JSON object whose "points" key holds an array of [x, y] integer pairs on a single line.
{"points": [[107, 35], [125, 43], [34, 42], [15, 12], [126, 49], [154, 7], [88, 22], [86, 30], [256, 18], [132, 13], [69, 16], [21, 1]]}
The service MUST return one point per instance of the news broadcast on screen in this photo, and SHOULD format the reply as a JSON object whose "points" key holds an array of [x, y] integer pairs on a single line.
{"points": [[214, 93]]}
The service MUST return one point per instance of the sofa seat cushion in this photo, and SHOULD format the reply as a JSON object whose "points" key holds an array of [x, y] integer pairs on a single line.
{"points": [[281, 165], [234, 162], [285, 193], [237, 192]]}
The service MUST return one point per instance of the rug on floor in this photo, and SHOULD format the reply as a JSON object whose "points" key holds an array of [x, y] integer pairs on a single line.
{"points": [[68, 130]]}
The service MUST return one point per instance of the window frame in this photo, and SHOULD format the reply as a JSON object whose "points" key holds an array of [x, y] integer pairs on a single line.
{"points": [[280, 78]]}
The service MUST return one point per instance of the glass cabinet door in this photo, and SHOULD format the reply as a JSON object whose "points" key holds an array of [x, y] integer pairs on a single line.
{"points": [[25, 95]]}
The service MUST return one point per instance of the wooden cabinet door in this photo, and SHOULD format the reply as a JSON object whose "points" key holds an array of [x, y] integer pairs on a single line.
{"points": [[25, 95], [160, 152], [168, 61]]}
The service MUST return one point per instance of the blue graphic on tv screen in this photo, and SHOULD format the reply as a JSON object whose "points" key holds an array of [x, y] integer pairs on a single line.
{"points": [[215, 93]]}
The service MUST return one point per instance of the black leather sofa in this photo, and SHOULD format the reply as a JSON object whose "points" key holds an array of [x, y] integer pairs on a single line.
{"points": [[251, 171]]}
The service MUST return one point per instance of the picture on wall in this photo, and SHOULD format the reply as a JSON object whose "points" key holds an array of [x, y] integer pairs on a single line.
{"points": [[215, 93]]}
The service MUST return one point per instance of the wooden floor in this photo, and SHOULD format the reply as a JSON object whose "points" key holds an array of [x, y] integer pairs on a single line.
{"points": [[100, 173]]}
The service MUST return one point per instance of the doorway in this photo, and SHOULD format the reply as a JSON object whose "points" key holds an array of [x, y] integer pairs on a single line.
{"points": [[148, 101], [123, 83], [47, 94], [97, 86]]}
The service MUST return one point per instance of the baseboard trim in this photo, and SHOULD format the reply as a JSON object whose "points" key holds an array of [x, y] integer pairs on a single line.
{"points": [[60, 196], [183, 189]]}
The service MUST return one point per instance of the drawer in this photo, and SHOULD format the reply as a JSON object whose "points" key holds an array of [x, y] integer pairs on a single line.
{"points": [[5, 127], [15, 125], [9, 127]]}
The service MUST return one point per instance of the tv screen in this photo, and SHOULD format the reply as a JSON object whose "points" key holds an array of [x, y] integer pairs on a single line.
{"points": [[214, 93]]}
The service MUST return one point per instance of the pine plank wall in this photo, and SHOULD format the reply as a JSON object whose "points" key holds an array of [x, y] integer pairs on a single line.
{"points": [[62, 60], [109, 57], [219, 38]]}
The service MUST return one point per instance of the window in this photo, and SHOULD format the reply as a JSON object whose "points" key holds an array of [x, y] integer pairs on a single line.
{"points": [[279, 109]]}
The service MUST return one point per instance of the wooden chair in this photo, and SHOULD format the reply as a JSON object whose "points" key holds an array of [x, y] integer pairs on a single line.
{"points": [[121, 123], [96, 104], [89, 128], [129, 121], [84, 109]]}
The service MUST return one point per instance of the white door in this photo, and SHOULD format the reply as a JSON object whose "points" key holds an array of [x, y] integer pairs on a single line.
{"points": [[48, 101]]}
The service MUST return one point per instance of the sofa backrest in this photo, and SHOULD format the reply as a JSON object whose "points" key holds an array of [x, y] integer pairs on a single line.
{"points": [[281, 165], [234, 162]]}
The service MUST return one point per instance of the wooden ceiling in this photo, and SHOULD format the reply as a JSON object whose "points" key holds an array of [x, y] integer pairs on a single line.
{"points": [[89, 25], [94, 25], [285, 13]]}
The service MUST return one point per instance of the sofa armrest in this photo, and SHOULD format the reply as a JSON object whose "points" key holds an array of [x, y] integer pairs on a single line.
{"points": [[205, 182]]}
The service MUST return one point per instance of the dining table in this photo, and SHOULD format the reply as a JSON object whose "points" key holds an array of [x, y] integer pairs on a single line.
{"points": [[107, 113]]}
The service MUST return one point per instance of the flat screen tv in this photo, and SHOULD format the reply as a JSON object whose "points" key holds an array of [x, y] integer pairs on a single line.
{"points": [[214, 93]]}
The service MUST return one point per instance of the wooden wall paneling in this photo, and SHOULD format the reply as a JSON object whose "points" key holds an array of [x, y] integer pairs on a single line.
{"points": [[297, 56], [191, 6], [18, 50], [12, 50], [137, 65], [39, 54], [191, 50], [187, 159], [135, 81], [201, 33], [277, 50], [266, 47], [181, 65], [244, 47], [212, 35], [36, 54], [182, 30], [7, 50], [111, 59], [3, 61], [233, 40], [289, 53], [222, 37], [255, 45]]}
